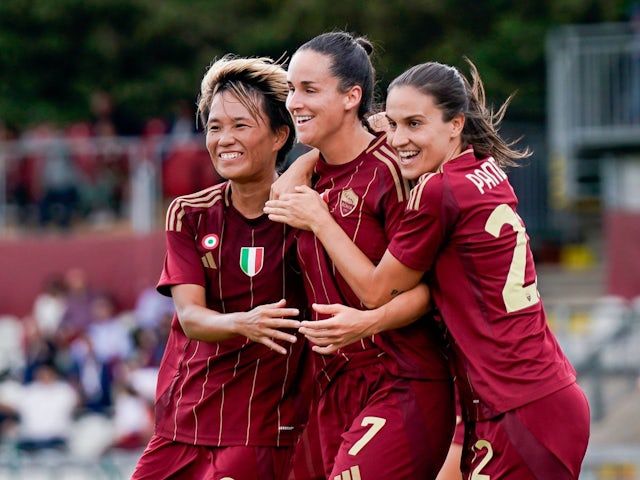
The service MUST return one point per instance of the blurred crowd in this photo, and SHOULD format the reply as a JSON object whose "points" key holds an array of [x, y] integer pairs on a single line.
{"points": [[78, 373], [62, 176]]}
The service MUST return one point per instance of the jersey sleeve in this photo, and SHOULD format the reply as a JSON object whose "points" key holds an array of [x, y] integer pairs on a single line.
{"points": [[393, 200], [182, 263], [421, 233]]}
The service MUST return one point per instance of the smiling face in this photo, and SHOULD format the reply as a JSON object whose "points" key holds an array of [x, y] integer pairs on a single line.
{"points": [[315, 102], [242, 148], [417, 131]]}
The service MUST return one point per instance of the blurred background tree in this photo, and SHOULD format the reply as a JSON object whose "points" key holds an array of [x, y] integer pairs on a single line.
{"points": [[148, 54]]}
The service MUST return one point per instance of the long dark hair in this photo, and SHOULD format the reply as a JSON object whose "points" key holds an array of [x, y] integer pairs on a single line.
{"points": [[350, 64], [453, 94]]}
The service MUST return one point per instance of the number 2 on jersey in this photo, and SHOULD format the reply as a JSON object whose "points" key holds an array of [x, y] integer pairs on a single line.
{"points": [[482, 445], [515, 295]]}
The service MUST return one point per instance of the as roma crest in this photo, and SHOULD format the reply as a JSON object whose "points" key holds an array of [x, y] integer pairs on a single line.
{"points": [[348, 202], [251, 260]]}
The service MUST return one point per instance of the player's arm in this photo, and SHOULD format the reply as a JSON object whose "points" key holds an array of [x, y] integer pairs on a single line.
{"points": [[348, 325], [298, 173], [261, 324], [374, 286]]}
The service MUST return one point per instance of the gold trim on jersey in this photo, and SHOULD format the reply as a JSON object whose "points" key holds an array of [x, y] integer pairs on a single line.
{"points": [[352, 474], [251, 397], [464, 152], [202, 199], [374, 145], [416, 193], [386, 156], [208, 261]]}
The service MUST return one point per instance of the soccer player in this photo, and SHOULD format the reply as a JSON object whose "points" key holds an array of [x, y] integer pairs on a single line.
{"points": [[386, 400], [525, 416], [232, 397]]}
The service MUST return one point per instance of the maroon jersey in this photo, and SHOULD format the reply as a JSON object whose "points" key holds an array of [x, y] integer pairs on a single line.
{"points": [[233, 392], [367, 198], [461, 223]]}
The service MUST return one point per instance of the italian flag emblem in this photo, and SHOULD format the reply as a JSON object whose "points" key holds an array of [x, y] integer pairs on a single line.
{"points": [[251, 260]]}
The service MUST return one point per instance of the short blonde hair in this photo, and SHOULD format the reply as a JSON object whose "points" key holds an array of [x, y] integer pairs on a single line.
{"points": [[259, 83]]}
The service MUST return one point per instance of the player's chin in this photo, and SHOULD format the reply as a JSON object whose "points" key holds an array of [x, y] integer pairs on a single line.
{"points": [[409, 171]]}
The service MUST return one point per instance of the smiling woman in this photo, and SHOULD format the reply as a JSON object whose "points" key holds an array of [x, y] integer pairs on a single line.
{"points": [[525, 416], [233, 392], [380, 385], [238, 142]]}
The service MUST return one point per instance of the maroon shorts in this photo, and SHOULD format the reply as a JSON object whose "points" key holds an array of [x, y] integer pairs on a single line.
{"points": [[376, 425], [543, 439], [163, 459], [307, 463]]}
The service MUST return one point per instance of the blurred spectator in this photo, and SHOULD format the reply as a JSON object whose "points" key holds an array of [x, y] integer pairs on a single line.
{"points": [[109, 336], [59, 177], [10, 390], [154, 140], [149, 344], [79, 311], [153, 313], [11, 343], [144, 381], [103, 196], [97, 355], [107, 115], [152, 307], [132, 419], [189, 167], [38, 350], [62, 177], [50, 305], [45, 410], [82, 148], [41, 328], [182, 124], [91, 376], [186, 162], [20, 176]]}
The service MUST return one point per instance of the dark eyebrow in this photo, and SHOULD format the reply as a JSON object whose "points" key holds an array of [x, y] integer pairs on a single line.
{"points": [[235, 119], [409, 118], [304, 83]]}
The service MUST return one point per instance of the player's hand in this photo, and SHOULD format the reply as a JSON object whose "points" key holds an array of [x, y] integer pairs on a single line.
{"points": [[263, 324], [298, 173], [304, 209], [379, 122], [346, 325]]}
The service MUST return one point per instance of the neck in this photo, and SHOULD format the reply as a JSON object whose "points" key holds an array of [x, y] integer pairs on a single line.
{"points": [[454, 152], [346, 144], [249, 198]]}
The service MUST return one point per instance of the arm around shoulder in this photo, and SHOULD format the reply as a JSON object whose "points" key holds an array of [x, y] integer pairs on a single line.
{"points": [[298, 173]]}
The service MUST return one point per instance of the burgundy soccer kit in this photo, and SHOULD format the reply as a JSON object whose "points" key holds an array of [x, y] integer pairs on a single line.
{"points": [[235, 392], [379, 391], [461, 224]]}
